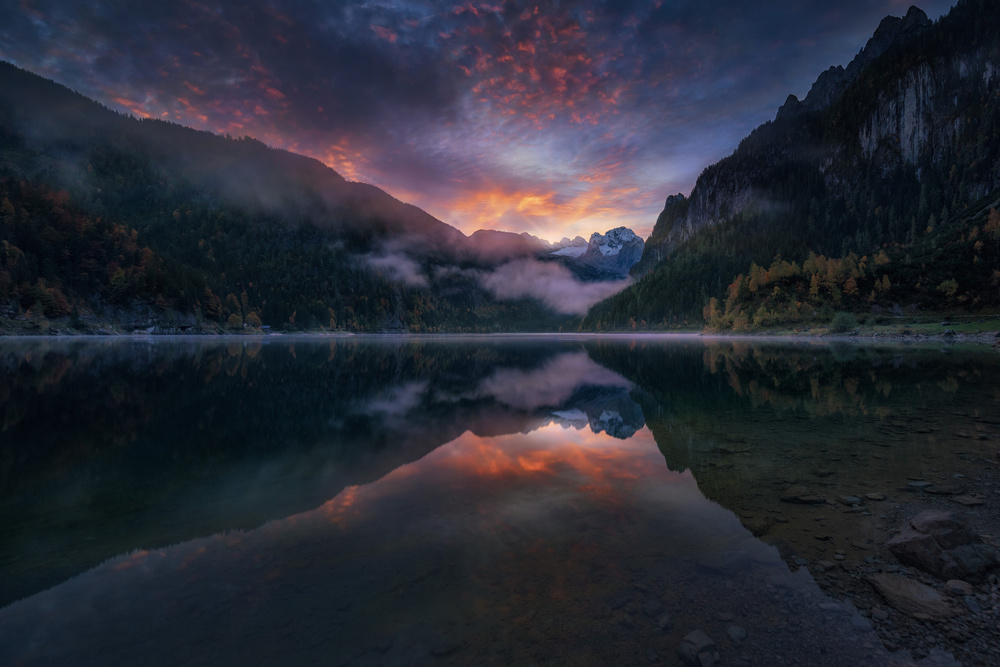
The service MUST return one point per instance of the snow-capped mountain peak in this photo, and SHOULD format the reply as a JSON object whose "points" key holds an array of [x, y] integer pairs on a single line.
{"points": [[612, 241], [607, 256], [569, 247]]}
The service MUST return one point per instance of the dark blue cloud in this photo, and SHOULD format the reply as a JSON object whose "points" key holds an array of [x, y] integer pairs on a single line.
{"points": [[554, 116]]}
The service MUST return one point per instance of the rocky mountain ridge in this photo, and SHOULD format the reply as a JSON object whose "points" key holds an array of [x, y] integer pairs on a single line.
{"points": [[895, 157], [921, 104]]}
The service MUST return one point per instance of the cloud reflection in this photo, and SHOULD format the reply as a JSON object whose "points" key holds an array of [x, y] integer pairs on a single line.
{"points": [[549, 386]]}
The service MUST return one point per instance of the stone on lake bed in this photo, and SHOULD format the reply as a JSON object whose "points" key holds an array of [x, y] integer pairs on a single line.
{"points": [[958, 587], [736, 633], [652, 607], [850, 500], [802, 496], [972, 605], [860, 623], [968, 501], [912, 597], [947, 528], [945, 490], [920, 484], [875, 496], [941, 543], [697, 648]]}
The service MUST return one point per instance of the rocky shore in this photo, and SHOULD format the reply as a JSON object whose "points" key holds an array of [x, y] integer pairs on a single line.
{"points": [[928, 581]]}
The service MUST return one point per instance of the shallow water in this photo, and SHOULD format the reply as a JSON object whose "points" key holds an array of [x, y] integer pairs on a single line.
{"points": [[571, 500]]}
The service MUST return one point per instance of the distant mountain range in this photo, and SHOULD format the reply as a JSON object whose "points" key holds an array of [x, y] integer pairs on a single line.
{"points": [[876, 194], [107, 218]]}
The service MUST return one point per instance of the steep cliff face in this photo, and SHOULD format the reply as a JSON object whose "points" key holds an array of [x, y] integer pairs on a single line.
{"points": [[922, 113], [673, 217], [922, 104]]}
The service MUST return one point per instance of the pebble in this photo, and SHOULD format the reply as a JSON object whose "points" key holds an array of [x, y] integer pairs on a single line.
{"points": [[839, 556], [920, 485], [652, 608], [875, 496], [850, 500], [736, 633], [697, 648], [972, 605], [958, 587], [860, 623], [621, 602]]}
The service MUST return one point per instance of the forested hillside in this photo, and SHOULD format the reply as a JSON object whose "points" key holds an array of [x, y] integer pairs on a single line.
{"points": [[107, 217], [891, 175]]}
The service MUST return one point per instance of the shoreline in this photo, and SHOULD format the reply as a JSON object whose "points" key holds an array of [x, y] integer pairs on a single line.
{"points": [[988, 338]]}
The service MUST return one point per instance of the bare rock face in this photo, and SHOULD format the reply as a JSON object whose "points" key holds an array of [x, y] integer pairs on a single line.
{"points": [[943, 544], [912, 597]]}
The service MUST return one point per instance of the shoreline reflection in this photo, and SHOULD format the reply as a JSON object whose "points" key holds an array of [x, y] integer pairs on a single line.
{"points": [[559, 543]]}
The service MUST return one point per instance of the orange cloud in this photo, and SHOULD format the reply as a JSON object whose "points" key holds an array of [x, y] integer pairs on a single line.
{"points": [[593, 207], [134, 108], [383, 33]]}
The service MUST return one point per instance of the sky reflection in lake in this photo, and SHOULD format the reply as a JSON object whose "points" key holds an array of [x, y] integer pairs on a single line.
{"points": [[391, 501], [558, 543]]}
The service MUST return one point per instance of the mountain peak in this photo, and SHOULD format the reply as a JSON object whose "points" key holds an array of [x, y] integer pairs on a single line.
{"points": [[890, 31], [613, 242], [835, 80], [617, 235]]}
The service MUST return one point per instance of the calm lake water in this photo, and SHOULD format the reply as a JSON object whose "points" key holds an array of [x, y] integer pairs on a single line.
{"points": [[515, 500]]}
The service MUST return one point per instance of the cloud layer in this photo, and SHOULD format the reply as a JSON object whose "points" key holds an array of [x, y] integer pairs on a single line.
{"points": [[552, 284], [557, 117]]}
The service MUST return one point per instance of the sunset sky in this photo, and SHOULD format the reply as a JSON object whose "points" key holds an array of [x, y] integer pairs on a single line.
{"points": [[553, 117]]}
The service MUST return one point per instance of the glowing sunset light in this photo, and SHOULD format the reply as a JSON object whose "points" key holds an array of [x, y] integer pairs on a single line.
{"points": [[554, 118]]}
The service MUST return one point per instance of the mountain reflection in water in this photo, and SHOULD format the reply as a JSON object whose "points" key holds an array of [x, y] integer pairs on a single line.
{"points": [[391, 501]]}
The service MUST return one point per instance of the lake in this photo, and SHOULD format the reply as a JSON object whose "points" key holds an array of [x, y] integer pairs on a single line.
{"points": [[462, 500]]}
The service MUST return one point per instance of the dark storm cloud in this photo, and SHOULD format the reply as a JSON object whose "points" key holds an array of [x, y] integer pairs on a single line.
{"points": [[553, 116]]}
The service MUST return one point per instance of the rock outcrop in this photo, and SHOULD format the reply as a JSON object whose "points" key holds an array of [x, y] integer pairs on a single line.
{"points": [[943, 544], [916, 110]]}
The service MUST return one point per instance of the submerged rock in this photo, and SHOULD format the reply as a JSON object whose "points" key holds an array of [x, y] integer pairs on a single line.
{"points": [[801, 495], [947, 528], [697, 648], [942, 543], [958, 587], [912, 597], [652, 608]]}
